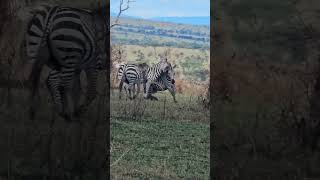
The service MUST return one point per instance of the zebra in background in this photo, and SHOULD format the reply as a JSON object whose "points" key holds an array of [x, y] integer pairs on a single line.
{"points": [[67, 40], [131, 75], [160, 76]]}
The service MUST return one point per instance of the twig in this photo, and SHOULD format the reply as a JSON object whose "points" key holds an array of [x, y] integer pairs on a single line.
{"points": [[120, 157], [121, 9]]}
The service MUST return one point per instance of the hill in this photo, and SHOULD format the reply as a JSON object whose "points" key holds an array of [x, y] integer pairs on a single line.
{"points": [[205, 20], [134, 31]]}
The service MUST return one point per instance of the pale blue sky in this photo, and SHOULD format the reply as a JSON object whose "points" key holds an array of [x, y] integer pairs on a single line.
{"points": [[164, 8]]}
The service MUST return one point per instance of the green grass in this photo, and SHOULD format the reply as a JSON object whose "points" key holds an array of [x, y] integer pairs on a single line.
{"points": [[151, 145]]}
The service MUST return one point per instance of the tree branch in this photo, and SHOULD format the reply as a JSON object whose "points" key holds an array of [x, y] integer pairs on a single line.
{"points": [[122, 8]]}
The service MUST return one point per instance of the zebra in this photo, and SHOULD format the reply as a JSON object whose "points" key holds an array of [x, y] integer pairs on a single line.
{"points": [[131, 75], [163, 83], [160, 75], [67, 40]]}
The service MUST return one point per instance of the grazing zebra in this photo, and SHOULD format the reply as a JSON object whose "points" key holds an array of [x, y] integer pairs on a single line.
{"points": [[160, 72], [131, 75], [163, 83], [68, 40]]}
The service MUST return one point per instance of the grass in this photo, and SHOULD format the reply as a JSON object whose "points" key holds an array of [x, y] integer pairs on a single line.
{"points": [[250, 148], [256, 136], [188, 61], [151, 145]]}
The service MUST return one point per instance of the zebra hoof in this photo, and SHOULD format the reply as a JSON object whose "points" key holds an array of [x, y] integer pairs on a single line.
{"points": [[153, 98]]}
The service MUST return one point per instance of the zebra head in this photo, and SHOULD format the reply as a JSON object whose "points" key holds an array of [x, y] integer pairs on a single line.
{"points": [[167, 68]]}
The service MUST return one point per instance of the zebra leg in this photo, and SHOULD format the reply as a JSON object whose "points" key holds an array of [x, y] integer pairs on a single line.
{"points": [[144, 87], [149, 92], [126, 88], [67, 77], [76, 91], [147, 89], [91, 93], [133, 90], [153, 98], [53, 83], [173, 93], [138, 90]]}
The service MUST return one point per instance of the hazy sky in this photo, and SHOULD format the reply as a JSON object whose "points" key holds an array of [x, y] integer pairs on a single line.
{"points": [[161, 8]]}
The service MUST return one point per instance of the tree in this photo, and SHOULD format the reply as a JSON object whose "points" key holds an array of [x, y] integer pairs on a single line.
{"points": [[123, 6]]}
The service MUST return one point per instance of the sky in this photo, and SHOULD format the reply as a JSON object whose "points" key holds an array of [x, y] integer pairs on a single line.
{"points": [[164, 8]]}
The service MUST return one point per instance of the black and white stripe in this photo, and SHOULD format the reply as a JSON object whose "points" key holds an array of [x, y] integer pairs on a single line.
{"points": [[163, 83], [68, 40], [160, 74], [131, 75]]}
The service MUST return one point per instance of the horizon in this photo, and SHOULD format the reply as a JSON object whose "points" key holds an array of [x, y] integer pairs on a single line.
{"points": [[111, 14], [147, 9]]}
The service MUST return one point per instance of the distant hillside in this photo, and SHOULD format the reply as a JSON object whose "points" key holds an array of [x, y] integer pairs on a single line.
{"points": [[185, 20], [153, 33]]}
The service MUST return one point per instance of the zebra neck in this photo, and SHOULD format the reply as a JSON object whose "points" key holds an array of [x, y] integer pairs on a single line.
{"points": [[154, 73]]}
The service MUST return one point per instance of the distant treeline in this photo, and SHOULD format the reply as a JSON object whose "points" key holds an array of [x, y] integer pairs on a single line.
{"points": [[152, 33], [178, 33]]}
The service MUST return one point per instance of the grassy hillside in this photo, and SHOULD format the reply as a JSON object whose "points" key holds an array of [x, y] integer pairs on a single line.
{"points": [[192, 64]]}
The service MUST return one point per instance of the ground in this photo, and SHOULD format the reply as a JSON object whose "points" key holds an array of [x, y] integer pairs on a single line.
{"points": [[161, 139]]}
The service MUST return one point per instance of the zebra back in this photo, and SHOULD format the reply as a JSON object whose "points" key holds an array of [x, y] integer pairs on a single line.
{"points": [[133, 73], [161, 68]]}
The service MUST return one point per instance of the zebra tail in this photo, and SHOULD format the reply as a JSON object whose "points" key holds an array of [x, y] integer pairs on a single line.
{"points": [[123, 79]]}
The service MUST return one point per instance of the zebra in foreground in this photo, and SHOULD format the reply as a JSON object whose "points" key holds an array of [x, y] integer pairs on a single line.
{"points": [[131, 75], [163, 83], [68, 40], [160, 77]]}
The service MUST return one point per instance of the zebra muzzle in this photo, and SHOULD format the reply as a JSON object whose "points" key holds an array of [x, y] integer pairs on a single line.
{"points": [[173, 81]]}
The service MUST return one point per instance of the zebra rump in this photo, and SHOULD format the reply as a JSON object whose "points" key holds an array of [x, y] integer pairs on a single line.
{"points": [[67, 40], [131, 75]]}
